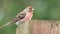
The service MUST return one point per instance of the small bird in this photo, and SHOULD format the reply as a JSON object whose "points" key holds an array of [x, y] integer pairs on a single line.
{"points": [[21, 17]]}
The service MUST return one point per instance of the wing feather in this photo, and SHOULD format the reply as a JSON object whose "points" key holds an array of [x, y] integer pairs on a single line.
{"points": [[20, 16]]}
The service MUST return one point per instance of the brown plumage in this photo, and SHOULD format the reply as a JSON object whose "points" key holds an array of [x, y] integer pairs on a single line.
{"points": [[23, 16]]}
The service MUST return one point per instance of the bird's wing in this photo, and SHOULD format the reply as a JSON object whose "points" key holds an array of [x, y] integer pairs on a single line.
{"points": [[15, 19], [20, 16]]}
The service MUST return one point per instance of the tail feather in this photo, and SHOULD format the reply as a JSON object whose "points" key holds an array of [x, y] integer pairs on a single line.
{"points": [[5, 25]]}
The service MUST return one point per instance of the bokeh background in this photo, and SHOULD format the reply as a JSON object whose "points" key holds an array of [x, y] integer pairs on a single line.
{"points": [[44, 10]]}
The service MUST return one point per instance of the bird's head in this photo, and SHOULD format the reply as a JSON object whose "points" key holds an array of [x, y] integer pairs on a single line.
{"points": [[29, 9]]}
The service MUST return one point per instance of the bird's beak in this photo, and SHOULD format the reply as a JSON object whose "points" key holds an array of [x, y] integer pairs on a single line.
{"points": [[33, 9]]}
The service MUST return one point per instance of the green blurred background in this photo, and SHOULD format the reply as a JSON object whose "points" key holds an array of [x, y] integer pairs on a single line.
{"points": [[44, 10]]}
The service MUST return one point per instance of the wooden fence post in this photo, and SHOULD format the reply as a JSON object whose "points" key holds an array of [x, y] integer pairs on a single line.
{"points": [[39, 27]]}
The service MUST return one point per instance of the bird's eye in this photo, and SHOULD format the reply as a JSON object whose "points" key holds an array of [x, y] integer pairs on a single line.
{"points": [[30, 8]]}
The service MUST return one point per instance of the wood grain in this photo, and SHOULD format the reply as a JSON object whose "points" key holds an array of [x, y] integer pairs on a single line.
{"points": [[41, 27]]}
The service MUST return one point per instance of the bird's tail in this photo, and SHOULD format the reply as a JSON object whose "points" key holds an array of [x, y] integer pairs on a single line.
{"points": [[5, 25]]}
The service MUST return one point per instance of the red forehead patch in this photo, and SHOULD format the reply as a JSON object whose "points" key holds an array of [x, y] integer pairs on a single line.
{"points": [[30, 6]]}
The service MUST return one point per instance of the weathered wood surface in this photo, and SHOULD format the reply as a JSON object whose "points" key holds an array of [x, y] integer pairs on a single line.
{"points": [[39, 27]]}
